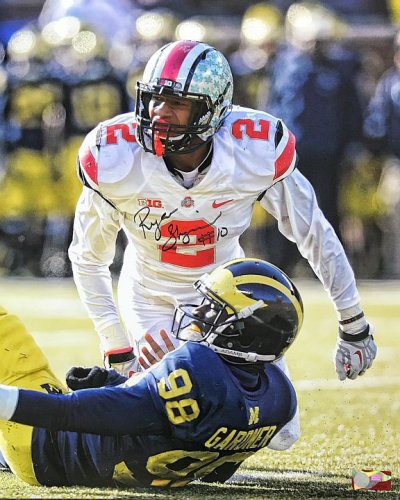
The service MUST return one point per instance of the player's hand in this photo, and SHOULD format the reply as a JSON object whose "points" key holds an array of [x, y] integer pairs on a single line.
{"points": [[123, 361], [353, 358], [147, 359], [79, 377]]}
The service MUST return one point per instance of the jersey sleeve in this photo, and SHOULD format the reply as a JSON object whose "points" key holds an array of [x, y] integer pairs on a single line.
{"points": [[174, 396], [92, 250], [108, 411], [293, 203]]}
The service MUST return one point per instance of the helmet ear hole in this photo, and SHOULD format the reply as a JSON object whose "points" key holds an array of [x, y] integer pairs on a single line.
{"points": [[200, 110], [145, 103]]}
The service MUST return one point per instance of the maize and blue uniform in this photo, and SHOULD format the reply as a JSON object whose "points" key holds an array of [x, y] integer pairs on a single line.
{"points": [[190, 416]]}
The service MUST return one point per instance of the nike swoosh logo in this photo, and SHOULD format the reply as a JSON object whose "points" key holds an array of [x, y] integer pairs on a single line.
{"points": [[217, 205], [359, 356]]}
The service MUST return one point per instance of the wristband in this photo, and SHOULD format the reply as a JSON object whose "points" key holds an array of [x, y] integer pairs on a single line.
{"points": [[351, 320], [356, 337], [121, 355]]}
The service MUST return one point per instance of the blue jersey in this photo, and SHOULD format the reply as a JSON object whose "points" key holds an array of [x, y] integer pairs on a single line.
{"points": [[190, 416]]}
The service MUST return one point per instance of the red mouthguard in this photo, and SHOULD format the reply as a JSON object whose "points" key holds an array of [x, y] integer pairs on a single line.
{"points": [[158, 145]]}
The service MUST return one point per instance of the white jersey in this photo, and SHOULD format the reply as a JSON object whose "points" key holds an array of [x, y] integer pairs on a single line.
{"points": [[177, 234]]}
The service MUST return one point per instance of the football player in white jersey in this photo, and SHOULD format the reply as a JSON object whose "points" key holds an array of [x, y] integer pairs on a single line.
{"points": [[180, 177]]}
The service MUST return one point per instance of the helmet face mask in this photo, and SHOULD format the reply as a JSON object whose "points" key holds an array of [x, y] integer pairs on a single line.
{"points": [[188, 70], [175, 138], [198, 322], [250, 313]]}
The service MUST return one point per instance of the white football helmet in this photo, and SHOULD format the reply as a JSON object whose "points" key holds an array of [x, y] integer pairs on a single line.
{"points": [[190, 70]]}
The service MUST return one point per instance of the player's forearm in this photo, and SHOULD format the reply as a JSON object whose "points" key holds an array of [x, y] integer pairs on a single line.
{"points": [[106, 411], [94, 286], [91, 252]]}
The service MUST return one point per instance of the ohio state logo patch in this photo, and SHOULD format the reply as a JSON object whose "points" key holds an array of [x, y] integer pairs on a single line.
{"points": [[187, 202]]}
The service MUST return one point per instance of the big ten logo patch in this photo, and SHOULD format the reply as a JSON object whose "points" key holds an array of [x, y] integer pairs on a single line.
{"points": [[149, 202]]}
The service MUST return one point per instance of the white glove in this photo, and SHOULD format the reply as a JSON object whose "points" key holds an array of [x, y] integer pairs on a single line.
{"points": [[117, 353], [123, 361], [354, 353]]}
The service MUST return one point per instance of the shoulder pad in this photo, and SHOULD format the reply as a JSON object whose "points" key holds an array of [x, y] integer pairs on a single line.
{"points": [[120, 128], [247, 125], [106, 154]]}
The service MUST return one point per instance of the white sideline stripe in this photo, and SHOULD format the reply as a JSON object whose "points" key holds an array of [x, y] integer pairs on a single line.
{"points": [[361, 382]]}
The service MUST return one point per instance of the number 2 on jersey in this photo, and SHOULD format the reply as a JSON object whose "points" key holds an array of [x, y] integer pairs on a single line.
{"points": [[187, 243], [254, 129]]}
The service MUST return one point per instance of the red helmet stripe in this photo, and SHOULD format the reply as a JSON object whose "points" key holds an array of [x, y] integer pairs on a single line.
{"points": [[175, 59]]}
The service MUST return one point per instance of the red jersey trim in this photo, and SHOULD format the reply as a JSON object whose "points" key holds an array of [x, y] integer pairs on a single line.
{"points": [[285, 159], [89, 164]]}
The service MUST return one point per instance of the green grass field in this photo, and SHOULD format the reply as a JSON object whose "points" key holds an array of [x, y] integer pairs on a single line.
{"points": [[345, 425]]}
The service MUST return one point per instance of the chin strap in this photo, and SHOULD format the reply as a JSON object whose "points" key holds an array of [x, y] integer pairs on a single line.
{"points": [[244, 313], [249, 310], [251, 357]]}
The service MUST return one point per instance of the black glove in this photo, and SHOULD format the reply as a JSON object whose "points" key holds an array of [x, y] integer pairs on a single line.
{"points": [[79, 377]]}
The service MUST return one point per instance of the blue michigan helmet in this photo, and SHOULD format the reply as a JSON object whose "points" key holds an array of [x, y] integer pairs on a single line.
{"points": [[251, 312]]}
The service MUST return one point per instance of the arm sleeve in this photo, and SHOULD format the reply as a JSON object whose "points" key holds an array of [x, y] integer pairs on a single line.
{"points": [[106, 411], [293, 203], [91, 252]]}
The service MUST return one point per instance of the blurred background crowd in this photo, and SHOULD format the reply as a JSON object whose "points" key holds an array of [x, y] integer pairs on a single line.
{"points": [[329, 68]]}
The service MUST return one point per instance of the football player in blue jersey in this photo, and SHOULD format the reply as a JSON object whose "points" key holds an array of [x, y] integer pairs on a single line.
{"points": [[196, 414]]}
